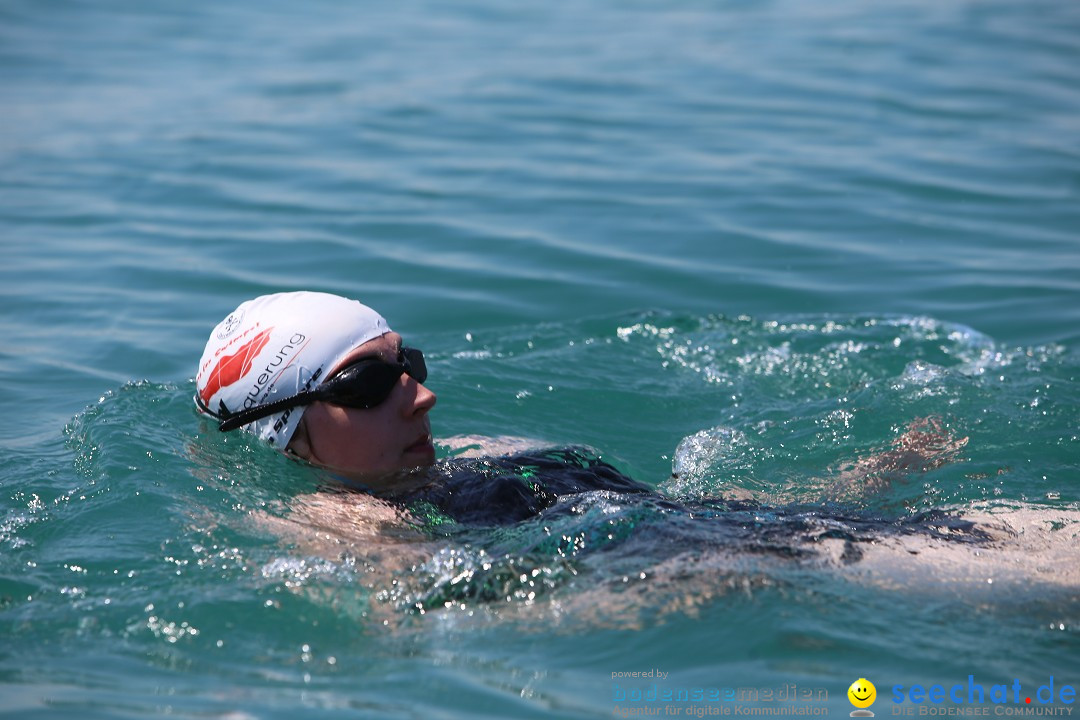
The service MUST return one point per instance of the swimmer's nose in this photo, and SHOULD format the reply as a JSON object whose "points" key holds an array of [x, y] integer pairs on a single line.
{"points": [[422, 400]]}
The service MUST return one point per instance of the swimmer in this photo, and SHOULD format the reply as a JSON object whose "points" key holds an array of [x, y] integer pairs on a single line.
{"points": [[325, 380]]}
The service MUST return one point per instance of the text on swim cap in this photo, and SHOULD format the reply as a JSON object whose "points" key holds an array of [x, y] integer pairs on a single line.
{"points": [[264, 382]]}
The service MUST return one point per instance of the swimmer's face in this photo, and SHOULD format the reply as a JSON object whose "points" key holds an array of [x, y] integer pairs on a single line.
{"points": [[364, 443]]}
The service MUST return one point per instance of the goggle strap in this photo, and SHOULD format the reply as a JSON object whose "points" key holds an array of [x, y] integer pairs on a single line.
{"points": [[243, 417]]}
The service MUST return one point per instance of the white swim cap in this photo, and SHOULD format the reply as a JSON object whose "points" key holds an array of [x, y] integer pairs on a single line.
{"points": [[273, 347]]}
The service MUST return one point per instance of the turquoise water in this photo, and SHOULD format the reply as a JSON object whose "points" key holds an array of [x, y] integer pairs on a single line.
{"points": [[794, 228]]}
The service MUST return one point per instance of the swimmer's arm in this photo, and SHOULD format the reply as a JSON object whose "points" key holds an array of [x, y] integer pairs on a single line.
{"points": [[925, 445], [373, 539], [469, 446], [329, 523]]}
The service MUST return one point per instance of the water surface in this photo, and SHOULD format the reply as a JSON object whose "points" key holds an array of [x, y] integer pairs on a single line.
{"points": [[772, 235]]}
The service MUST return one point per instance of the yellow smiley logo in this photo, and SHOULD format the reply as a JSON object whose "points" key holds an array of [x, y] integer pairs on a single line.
{"points": [[862, 693]]}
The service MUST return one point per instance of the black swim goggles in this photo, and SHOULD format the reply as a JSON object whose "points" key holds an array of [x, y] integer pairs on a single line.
{"points": [[364, 384]]}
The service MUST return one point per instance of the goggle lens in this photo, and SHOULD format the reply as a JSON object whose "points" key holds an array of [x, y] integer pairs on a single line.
{"points": [[368, 382]]}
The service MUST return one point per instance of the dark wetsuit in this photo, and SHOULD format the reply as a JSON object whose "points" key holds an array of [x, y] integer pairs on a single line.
{"points": [[551, 511], [510, 489]]}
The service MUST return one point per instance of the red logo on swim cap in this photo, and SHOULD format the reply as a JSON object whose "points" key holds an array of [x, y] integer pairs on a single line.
{"points": [[233, 367]]}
